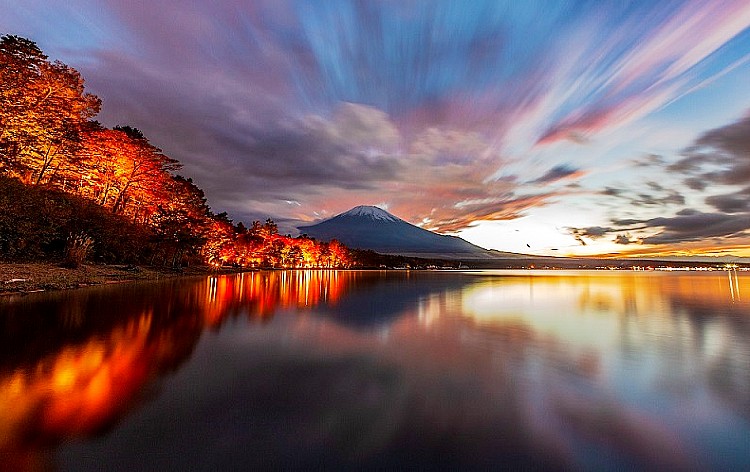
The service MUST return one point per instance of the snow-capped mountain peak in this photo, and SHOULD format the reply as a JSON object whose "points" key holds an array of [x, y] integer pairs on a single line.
{"points": [[371, 212], [370, 227]]}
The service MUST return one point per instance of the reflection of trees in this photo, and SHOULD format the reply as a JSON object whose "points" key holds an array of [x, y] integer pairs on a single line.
{"points": [[347, 295], [261, 294], [77, 379], [74, 363]]}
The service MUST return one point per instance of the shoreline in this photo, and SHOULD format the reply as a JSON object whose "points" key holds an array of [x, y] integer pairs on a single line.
{"points": [[21, 278], [31, 277]]}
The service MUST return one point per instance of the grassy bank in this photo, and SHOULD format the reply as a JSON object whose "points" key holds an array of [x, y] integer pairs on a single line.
{"points": [[36, 276]]}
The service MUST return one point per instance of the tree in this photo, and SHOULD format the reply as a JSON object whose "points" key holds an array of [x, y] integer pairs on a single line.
{"points": [[180, 223], [47, 136], [142, 172], [43, 107], [20, 65], [97, 170]]}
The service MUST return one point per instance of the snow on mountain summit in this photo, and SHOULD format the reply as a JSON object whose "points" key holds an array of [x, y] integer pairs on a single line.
{"points": [[371, 212], [370, 227]]}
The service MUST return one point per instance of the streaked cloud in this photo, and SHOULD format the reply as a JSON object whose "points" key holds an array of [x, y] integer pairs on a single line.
{"points": [[697, 226], [556, 173], [448, 112]]}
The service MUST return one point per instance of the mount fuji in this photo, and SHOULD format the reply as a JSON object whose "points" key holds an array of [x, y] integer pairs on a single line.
{"points": [[370, 227]]}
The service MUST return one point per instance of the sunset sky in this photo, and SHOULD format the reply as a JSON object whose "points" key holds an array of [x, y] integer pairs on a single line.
{"points": [[543, 127]]}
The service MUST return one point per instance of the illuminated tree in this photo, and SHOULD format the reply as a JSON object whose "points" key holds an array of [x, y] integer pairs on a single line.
{"points": [[180, 223], [142, 172], [47, 136], [97, 169], [220, 238], [21, 62], [42, 110]]}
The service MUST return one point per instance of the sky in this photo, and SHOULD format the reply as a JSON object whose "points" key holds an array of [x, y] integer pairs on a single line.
{"points": [[543, 127]]}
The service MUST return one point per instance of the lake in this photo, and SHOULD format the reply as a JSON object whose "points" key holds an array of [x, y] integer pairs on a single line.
{"points": [[543, 370]]}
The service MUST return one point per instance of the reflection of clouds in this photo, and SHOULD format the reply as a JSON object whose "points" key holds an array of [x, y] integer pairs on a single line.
{"points": [[557, 370], [548, 306], [598, 361]]}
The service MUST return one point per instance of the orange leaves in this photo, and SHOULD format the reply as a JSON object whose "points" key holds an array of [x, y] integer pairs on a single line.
{"points": [[43, 107], [121, 170], [45, 137], [262, 246]]}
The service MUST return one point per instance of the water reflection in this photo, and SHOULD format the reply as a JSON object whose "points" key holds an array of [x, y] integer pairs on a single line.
{"points": [[581, 370], [73, 363]]}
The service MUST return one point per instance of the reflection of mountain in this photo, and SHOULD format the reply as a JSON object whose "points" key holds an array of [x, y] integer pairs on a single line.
{"points": [[382, 297]]}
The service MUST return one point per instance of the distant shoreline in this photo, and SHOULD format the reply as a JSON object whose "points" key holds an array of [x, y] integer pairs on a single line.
{"points": [[19, 278]]}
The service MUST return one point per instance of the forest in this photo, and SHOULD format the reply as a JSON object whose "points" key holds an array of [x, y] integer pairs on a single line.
{"points": [[74, 190]]}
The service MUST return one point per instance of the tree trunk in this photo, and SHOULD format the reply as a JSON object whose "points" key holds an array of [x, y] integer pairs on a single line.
{"points": [[47, 161], [120, 198]]}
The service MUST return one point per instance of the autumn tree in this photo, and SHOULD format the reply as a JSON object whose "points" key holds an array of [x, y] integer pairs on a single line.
{"points": [[181, 221], [142, 172], [43, 107], [96, 176], [220, 240], [47, 136]]}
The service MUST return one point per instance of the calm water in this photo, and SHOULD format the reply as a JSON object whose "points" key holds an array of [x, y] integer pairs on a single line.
{"points": [[310, 369]]}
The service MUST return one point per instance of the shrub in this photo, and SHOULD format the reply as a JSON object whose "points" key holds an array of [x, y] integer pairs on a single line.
{"points": [[76, 249]]}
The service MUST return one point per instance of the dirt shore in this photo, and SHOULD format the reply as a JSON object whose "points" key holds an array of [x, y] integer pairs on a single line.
{"points": [[42, 276]]}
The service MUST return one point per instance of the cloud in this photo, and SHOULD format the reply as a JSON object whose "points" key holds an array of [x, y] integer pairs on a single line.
{"points": [[558, 173], [593, 232], [650, 160], [507, 207], [685, 226], [736, 202], [626, 222], [664, 197], [692, 226], [624, 239], [439, 179], [695, 183], [687, 212], [652, 65], [718, 157], [672, 197], [332, 103], [611, 191], [445, 183], [362, 128], [716, 162]]}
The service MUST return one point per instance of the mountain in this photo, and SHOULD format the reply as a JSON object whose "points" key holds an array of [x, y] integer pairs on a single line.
{"points": [[369, 227]]}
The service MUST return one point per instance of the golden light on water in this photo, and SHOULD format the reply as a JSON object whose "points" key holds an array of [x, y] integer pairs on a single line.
{"points": [[265, 292], [578, 307], [491, 330]]}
